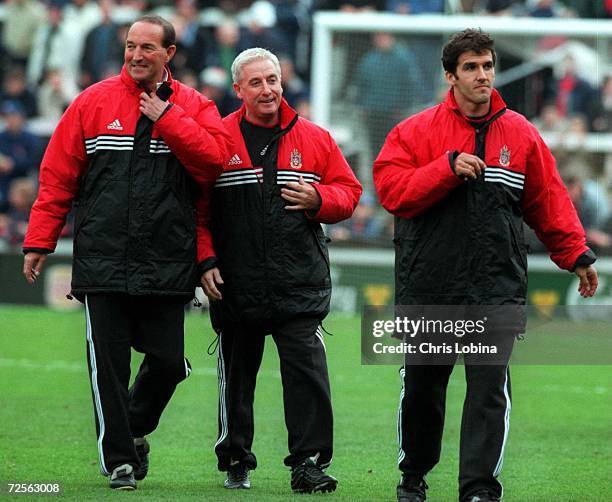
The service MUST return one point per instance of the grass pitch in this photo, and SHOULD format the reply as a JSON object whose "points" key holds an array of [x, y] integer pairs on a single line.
{"points": [[559, 446]]}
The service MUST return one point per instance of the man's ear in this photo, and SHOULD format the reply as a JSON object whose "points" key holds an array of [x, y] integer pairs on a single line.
{"points": [[451, 78], [170, 52], [237, 90]]}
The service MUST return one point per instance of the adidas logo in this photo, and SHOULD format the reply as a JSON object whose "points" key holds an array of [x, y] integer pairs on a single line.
{"points": [[235, 160], [115, 125]]}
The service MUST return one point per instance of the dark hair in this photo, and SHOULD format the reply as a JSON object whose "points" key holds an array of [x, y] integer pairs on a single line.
{"points": [[464, 41], [169, 36]]}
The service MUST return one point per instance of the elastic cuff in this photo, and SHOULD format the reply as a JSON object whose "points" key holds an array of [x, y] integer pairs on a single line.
{"points": [[585, 259], [452, 156], [36, 250], [209, 263]]}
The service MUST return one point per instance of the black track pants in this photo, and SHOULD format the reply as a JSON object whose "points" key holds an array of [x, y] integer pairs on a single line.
{"points": [[306, 392], [484, 424], [115, 324]]}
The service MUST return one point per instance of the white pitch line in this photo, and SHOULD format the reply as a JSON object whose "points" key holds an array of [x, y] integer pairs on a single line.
{"points": [[74, 367], [575, 389], [553, 387]]}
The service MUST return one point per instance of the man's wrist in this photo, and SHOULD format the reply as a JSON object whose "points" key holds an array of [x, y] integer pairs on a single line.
{"points": [[585, 259]]}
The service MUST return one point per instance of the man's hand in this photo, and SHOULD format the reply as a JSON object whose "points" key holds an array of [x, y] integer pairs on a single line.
{"points": [[469, 166], [152, 106], [588, 280], [33, 265], [303, 196], [209, 281]]}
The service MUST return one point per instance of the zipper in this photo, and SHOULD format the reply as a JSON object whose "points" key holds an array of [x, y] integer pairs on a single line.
{"points": [[142, 125], [267, 198]]}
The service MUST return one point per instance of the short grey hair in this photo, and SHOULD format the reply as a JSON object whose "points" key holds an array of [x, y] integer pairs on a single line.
{"points": [[248, 56]]}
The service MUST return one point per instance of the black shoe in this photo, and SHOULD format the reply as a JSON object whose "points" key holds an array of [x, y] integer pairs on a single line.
{"points": [[411, 489], [142, 449], [482, 496], [238, 477], [308, 477], [122, 478]]}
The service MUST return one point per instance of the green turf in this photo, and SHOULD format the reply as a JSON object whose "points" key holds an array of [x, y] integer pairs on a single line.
{"points": [[559, 447]]}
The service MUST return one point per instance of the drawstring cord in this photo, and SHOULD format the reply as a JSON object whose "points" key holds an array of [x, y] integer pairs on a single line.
{"points": [[325, 331]]}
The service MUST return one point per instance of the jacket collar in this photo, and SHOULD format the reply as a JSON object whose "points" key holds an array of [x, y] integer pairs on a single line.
{"points": [[287, 114], [497, 105], [134, 87]]}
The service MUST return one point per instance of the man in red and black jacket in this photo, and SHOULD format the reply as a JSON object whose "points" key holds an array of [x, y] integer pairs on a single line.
{"points": [[269, 270], [461, 178], [135, 154]]}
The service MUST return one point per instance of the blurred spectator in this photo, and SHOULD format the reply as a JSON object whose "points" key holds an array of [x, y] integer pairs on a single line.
{"points": [[352, 5], [587, 207], [260, 30], [55, 94], [101, 50], [550, 120], [505, 7], [572, 94], [363, 225], [546, 8], [15, 88], [191, 44], [292, 17], [578, 125], [425, 48], [5, 230], [52, 48], [602, 121], [22, 18], [80, 17], [22, 193], [188, 77], [84, 15], [387, 87], [18, 149], [225, 46], [215, 82], [294, 88], [415, 6], [590, 8], [59, 42], [302, 107]]}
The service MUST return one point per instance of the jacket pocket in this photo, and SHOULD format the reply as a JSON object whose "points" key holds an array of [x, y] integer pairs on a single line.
{"points": [[517, 242], [322, 241], [83, 209]]}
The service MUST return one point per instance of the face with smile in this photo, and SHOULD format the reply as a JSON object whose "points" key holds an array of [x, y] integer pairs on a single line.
{"points": [[260, 90], [472, 82], [145, 56]]}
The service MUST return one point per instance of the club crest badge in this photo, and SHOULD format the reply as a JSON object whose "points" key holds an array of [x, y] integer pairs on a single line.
{"points": [[296, 159], [504, 156]]}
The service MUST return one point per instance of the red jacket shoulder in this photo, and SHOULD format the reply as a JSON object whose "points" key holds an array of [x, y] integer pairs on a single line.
{"points": [[424, 120]]}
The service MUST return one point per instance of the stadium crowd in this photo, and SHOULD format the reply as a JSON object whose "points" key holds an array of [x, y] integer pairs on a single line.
{"points": [[50, 50]]}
